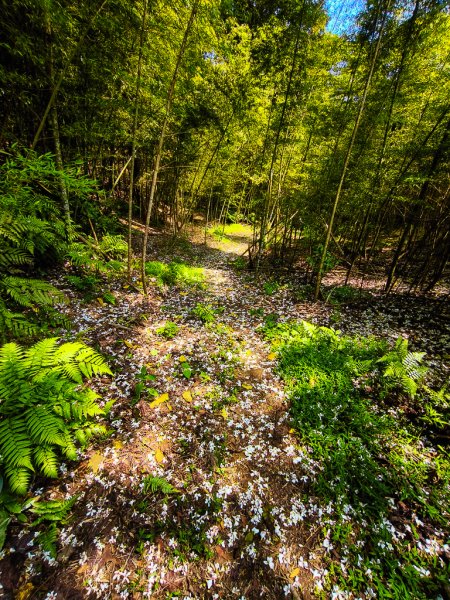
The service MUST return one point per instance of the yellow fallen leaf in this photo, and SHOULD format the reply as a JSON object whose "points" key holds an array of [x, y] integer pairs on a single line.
{"points": [[95, 461], [101, 301], [292, 430], [247, 386], [159, 400], [169, 407], [187, 396], [294, 573], [159, 456], [118, 444], [25, 591], [128, 344], [224, 413], [182, 359], [272, 356]]}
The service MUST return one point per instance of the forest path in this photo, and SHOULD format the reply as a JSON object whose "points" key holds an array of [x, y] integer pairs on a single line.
{"points": [[206, 413]]}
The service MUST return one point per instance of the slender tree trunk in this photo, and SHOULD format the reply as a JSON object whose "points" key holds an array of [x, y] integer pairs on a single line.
{"points": [[347, 156], [133, 141], [168, 108], [268, 198], [60, 79]]}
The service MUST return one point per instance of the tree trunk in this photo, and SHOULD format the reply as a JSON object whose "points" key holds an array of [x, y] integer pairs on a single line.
{"points": [[133, 142], [348, 154]]}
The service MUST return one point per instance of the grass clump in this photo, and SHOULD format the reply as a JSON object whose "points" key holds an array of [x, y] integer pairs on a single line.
{"points": [[175, 273], [360, 408]]}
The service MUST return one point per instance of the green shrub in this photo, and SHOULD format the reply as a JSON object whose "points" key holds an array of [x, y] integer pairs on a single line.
{"points": [[43, 410]]}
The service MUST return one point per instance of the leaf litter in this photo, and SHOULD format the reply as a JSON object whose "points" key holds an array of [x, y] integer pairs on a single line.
{"points": [[244, 524]]}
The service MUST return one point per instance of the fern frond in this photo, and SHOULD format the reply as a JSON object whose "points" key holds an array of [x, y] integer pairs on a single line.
{"points": [[158, 484], [18, 479], [43, 410], [53, 511], [31, 292], [47, 461], [15, 445], [44, 427], [47, 540]]}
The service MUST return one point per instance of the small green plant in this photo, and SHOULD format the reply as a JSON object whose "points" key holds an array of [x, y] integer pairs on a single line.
{"points": [[169, 330], [314, 260], [156, 485], [271, 287], [43, 409], [205, 312], [343, 294], [239, 263], [144, 377], [186, 369]]}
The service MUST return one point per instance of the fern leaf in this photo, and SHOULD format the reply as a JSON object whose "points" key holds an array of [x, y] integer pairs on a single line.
{"points": [[43, 426], [18, 479], [15, 446], [47, 461], [47, 540]]}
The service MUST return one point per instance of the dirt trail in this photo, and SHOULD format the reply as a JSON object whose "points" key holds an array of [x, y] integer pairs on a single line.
{"points": [[239, 521]]}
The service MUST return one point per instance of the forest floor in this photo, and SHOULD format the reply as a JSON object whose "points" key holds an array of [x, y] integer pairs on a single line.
{"points": [[206, 413]]}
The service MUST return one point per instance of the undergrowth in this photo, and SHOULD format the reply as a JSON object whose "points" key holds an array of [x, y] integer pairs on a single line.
{"points": [[175, 273], [361, 409]]}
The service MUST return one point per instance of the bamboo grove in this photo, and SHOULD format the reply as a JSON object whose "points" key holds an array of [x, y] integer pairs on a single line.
{"points": [[334, 146]]}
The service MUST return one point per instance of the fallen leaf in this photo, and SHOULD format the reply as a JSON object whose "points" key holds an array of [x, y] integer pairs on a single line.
{"points": [[222, 554], [159, 456], [272, 356], [294, 573], [187, 396], [154, 352], [247, 386], [224, 413], [101, 301], [25, 591], [128, 344], [95, 461], [159, 400], [118, 444], [182, 359], [292, 430]]}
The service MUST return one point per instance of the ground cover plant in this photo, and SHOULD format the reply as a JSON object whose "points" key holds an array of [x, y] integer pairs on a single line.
{"points": [[175, 273], [352, 401]]}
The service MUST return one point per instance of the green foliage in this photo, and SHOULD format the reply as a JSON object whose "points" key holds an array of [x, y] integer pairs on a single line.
{"points": [[169, 330], [343, 294], [175, 273], [205, 312], [271, 287], [156, 485], [314, 260], [368, 457], [43, 411], [404, 368], [93, 256]]}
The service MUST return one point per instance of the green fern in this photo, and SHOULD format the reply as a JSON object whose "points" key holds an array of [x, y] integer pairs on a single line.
{"points": [[44, 413], [404, 368], [158, 484]]}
